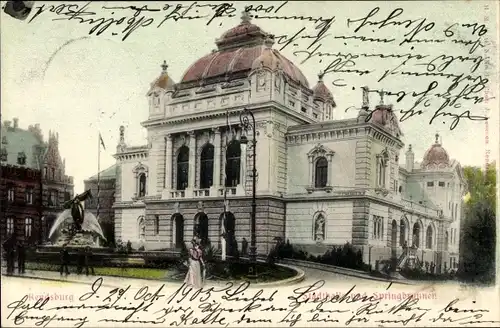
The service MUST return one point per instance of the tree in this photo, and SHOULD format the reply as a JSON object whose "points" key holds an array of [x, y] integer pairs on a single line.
{"points": [[478, 237]]}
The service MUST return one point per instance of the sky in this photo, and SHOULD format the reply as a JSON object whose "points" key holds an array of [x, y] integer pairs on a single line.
{"points": [[54, 73]]}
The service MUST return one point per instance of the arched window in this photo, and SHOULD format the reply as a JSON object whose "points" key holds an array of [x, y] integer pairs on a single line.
{"points": [[321, 172], [28, 226], [10, 226], [382, 161], [394, 234], [141, 224], [428, 238], [141, 177], [416, 235], [177, 230], [142, 185], [200, 228], [233, 161], [207, 166], [182, 168], [402, 232], [446, 241], [319, 228]]}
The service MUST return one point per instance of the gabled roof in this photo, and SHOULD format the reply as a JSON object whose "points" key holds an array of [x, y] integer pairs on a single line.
{"points": [[17, 140], [109, 173]]}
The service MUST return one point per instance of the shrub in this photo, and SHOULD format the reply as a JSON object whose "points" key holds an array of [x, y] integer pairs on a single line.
{"points": [[142, 248], [346, 256]]}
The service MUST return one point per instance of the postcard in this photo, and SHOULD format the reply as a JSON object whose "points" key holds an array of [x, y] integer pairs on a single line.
{"points": [[249, 164]]}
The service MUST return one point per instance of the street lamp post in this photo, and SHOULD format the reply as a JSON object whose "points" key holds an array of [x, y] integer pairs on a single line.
{"points": [[247, 121]]}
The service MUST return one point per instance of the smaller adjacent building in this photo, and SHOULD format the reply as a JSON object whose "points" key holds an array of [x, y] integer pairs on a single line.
{"points": [[34, 184], [106, 193]]}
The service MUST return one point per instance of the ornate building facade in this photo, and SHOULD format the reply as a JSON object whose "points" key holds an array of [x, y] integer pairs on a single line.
{"points": [[34, 184], [320, 182]]}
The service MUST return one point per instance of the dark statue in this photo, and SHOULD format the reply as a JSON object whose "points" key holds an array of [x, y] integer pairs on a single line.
{"points": [[76, 207]]}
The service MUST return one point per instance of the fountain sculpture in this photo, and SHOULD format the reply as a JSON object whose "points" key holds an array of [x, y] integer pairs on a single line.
{"points": [[75, 226]]}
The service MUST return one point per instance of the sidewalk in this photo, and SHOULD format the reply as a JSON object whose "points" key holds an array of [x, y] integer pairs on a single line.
{"points": [[114, 281], [108, 281]]}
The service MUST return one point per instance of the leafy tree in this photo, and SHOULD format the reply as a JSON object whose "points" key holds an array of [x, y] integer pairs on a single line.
{"points": [[478, 237]]}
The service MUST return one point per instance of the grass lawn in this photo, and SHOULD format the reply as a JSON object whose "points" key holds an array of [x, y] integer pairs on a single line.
{"points": [[141, 273]]}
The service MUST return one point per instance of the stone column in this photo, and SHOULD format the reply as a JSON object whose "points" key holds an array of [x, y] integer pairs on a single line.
{"points": [[217, 159], [330, 171], [311, 172], [169, 162], [192, 160]]}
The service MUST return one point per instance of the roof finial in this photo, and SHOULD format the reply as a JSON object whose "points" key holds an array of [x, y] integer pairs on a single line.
{"points": [[245, 17], [437, 138], [320, 75], [409, 147], [269, 41], [381, 93], [164, 66]]}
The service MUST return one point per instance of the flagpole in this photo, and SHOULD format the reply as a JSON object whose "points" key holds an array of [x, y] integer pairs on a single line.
{"points": [[98, 172]]}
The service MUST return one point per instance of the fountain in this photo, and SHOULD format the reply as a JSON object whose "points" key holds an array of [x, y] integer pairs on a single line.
{"points": [[75, 227]]}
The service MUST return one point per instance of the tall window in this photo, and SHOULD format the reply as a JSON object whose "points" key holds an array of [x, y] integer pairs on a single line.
{"points": [[10, 226], [11, 193], [157, 224], [207, 166], [182, 168], [446, 241], [402, 232], [56, 197], [378, 227], [428, 239], [233, 160], [321, 172], [416, 235], [142, 185], [381, 168], [28, 195], [28, 226]]}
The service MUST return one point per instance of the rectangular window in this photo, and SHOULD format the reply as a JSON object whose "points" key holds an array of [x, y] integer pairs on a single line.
{"points": [[430, 183], [11, 194], [28, 196], [28, 226], [441, 183], [10, 226]]}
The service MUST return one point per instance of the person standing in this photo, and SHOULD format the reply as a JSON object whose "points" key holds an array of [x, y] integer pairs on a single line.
{"points": [[9, 248], [194, 276], [88, 261], [21, 257], [64, 261]]}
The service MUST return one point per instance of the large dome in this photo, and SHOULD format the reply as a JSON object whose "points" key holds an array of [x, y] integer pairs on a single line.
{"points": [[436, 155], [238, 48]]}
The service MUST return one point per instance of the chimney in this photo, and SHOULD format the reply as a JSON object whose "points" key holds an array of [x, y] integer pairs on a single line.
{"points": [[410, 159], [16, 123]]}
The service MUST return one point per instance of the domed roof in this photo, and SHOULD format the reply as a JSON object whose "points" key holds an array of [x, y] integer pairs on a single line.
{"points": [[436, 155], [321, 92], [163, 81], [381, 114], [240, 50]]}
